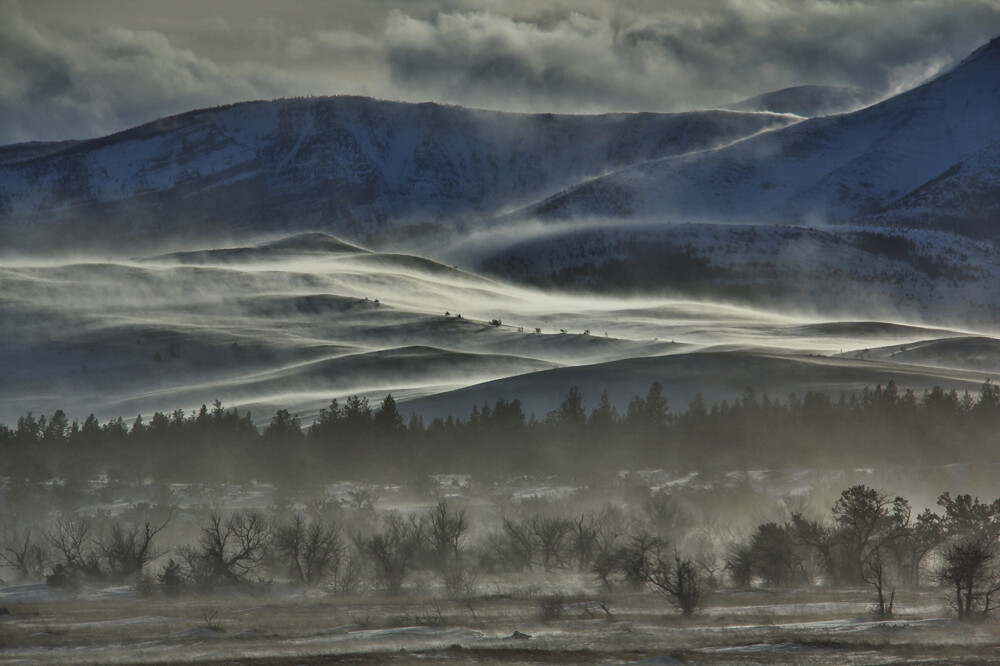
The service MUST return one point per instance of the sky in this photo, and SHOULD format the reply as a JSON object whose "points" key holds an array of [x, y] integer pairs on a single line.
{"points": [[85, 68]]}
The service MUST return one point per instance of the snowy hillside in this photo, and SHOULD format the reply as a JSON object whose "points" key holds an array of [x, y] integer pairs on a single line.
{"points": [[830, 169], [355, 166], [296, 322], [965, 197], [931, 275]]}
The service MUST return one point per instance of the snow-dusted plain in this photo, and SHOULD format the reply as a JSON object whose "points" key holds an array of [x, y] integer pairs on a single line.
{"points": [[738, 627]]}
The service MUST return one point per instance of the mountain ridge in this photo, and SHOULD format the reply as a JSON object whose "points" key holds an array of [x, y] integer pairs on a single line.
{"points": [[349, 165], [829, 169]]}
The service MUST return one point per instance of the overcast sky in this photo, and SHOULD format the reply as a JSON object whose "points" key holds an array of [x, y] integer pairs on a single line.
{"points": [[82, 68]]}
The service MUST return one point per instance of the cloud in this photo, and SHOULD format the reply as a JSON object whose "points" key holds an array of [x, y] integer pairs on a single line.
{"points": [[67, 71], [668, 60], [81, 88]]}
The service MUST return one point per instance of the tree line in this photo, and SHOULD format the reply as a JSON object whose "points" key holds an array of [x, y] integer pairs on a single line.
{"points": [[356, 440], [867, 538]]}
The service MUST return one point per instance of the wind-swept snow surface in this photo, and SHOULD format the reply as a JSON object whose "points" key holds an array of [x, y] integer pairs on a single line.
{"points": [[296, 322]]}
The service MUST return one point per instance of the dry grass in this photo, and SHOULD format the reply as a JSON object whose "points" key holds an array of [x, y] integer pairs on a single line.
{"points": [[743, 627]]}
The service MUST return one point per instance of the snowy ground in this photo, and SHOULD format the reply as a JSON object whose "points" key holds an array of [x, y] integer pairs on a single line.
{"points": [[744, 627]]}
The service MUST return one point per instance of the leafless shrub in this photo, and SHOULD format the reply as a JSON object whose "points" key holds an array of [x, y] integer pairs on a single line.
{"points": [[348, 578], [460, 580], [551, 608], [211, 621]]}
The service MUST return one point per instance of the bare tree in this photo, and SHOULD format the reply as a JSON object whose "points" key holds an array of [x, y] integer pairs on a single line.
{"points": [[605, 561], [71, 540], [519, 543], [229, 551], [392, 551], [28, 557], [876, 574], [665, 516], [127, 549], [584, 537], [550, 534], [678, 579], [635, 558], [445, 531], [309, 551]]}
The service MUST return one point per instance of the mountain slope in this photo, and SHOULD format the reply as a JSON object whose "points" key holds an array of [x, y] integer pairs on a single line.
{"points": [[965, 198], [356, 166], [807, 100], [831, 169], [930, 275]]}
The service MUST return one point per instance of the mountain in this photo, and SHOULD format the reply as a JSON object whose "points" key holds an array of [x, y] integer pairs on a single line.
{"points": [[358, 167], [881, 163], [485, 255], [808, 101]]}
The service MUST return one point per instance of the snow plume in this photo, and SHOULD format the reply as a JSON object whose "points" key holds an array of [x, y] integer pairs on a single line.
{"points": [[70, 69]]}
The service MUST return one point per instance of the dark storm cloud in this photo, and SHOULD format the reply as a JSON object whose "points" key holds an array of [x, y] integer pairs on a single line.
{"points": [[77, 69]]}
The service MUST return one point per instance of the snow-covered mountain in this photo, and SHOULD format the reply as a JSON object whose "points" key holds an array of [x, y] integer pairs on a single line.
{"points": [[694, 236], [375, 171], [355, 166], [927, 153]]}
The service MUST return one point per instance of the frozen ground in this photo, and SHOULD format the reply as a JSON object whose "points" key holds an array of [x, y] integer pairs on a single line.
{"points": [[751, 627]]}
